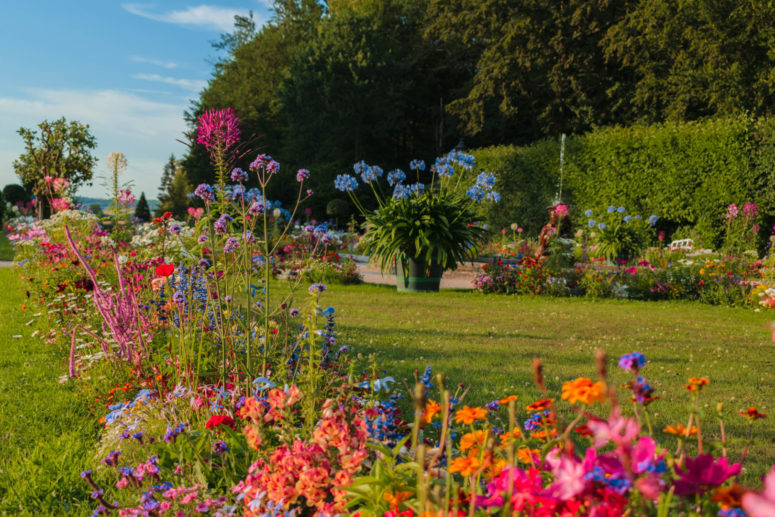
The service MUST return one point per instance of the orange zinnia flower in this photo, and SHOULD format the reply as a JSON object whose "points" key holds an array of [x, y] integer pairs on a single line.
{"points": [[540, 405], [394, 498], [730, 497], [508, 399], [526, 455], [510, 437], [697, 383], [680, 430], [752, 413], [467, 415], [431, 408], [466, 466], [473, 440], [543, 434], [583, 390]]}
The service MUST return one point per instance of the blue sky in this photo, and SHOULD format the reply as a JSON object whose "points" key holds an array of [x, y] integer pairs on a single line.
{"points": [[128, 69]]}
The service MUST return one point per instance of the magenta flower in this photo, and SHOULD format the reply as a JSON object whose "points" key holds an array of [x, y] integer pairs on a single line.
{"points": [[763, 503], [703, 472], [218, 129], [750, 210]]}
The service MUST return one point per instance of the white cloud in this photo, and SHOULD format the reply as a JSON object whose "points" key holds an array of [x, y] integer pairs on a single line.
{"points": [[211, 17], [194, 85], [145, 131], [153, 61]]}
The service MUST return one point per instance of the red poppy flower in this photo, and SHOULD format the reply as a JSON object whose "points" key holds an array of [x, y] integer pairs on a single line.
{"points": [[219, 420], [165, 269]]}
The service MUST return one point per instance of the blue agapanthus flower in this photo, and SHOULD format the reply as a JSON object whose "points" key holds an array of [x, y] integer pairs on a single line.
{"points": [[466, 161], [588, 213], [653, 220], [611, 209], [476, 193], [345, 183], [493, 196], [621, 210], [486, 180], [591, 223], [601, 226], [443, 168], [396, 176], [401, 191], [627, 219], [417, 165], [417, 188]]}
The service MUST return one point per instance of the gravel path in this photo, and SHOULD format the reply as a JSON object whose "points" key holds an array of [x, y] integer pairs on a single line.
{"points": [[6, 263]]}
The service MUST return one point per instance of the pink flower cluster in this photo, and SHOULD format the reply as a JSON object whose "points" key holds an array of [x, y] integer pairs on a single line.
{"points": [[218, 129], [312, 469], [602, 482], [126, 198]]}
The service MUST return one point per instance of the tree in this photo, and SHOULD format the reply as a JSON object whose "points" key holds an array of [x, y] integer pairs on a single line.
{"points": [[167, 175], [176, 200], [142, 211], [60, 150], [15, 194]]}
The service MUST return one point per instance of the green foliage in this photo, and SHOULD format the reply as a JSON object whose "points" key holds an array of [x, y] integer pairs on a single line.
{"points": [[431, 228], [618, 235], [337, 208], [686, 173], [15, 194], [142, 211], [60, 150], [176, 199]]}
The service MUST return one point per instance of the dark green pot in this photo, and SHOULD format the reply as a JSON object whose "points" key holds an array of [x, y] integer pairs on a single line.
{"points": [[417, 279]]}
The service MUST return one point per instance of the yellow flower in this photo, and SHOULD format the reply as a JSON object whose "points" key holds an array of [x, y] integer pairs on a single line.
{"points": [[583, 390]]}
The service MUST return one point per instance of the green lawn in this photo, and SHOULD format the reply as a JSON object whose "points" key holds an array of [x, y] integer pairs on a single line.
{"points": [[489, 341], [6, 250], [46, 432]]}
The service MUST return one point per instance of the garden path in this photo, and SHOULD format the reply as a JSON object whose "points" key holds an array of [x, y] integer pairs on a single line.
{"points": [[459, 279], [6, 263]]}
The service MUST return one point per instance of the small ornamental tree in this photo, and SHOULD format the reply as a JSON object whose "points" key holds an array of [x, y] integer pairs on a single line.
{"points": [[142, 211], [58, 150]]}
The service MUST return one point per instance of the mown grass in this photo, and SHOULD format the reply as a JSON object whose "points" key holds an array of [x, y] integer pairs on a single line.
{"points": [[488, 342], [46, 432], [6, 249]]}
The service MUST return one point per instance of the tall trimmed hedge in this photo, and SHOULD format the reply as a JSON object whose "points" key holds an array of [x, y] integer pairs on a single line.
{"points": [[686, 173]]}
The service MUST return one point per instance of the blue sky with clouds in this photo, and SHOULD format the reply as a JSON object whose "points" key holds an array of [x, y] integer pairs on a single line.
{"points": [[128, 69]]}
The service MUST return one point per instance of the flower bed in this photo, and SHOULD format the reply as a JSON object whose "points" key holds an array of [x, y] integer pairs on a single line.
{"points": [[220, 391]]}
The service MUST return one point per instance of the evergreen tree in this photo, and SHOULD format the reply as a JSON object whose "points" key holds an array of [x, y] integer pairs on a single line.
{"points": [[176, 199], [142, 211], [167, 175]]}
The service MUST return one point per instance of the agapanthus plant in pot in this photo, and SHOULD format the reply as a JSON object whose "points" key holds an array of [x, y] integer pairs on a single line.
{"points": [[424, 229]]}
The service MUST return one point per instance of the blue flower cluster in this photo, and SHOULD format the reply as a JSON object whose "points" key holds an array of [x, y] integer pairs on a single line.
{"points": [[345, 183]]}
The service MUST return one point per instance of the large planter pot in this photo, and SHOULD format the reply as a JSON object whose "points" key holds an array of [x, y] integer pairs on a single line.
{"points": [[416, 278]]}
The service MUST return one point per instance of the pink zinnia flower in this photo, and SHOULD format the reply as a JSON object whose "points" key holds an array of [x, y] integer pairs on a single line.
{"points": [[561, 210], [618, 429], [218, 128]]}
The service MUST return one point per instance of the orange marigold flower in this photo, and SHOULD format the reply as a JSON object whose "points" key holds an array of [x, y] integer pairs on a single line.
{"points": [[431, 408], [752, 413], [473, 440], [540, 405], [467, 415], [508, 399], [680, 430], [466, 466], [583, 390]]}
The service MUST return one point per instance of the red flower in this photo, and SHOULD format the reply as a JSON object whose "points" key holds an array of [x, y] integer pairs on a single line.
{"points": [[219, 420], [167, 215], [165, 269]]}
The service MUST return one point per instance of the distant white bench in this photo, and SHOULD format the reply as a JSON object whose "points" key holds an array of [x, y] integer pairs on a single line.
{"points": [[682, 244]]}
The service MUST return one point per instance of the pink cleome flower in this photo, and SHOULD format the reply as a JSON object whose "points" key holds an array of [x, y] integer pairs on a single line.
{"points": [[218, 128]]}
